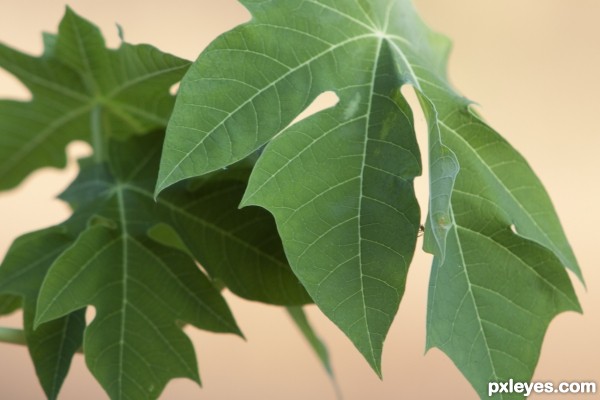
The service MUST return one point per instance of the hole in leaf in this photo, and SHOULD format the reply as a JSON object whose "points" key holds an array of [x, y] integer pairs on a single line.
{"points": [[513, 228], [420, 125], [78, 149], [90, 314], [174, 89], [323, 101]]}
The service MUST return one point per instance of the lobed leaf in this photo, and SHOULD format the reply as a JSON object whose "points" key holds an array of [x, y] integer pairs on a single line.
{"points": [[326, 179], [339, 183], [143, 289], [502, 278], [81, 91], [134, 345]]}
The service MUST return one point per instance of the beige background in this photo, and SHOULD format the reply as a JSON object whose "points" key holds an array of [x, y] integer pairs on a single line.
{"points": [[532, 66]]}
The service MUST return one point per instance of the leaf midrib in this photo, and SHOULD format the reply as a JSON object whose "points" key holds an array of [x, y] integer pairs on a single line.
{"points": [[472, 295], [360, 199], [125, 277]]}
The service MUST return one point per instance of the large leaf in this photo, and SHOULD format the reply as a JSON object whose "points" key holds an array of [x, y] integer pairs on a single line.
{"points": [[340, 182], [328, 179], [53, 344], [81, 91], [142, 289]]}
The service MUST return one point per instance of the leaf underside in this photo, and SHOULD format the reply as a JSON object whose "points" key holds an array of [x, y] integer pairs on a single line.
{"points": [[339, 183]]}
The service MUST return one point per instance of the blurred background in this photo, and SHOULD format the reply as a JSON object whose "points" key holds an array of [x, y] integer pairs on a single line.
{"points": [[532, 66]]}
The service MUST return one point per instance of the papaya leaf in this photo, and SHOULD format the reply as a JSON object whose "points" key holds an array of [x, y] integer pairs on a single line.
{"points": [[81, 91], [325, 179], [339, 183], [239, 247], [502, 277], [53, 344], [143, 288], [134, 345], [492, 297]]}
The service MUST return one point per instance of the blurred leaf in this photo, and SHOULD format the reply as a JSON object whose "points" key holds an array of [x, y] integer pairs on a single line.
{"points": [[81, 91], [53, 344], [9, 304], [299, 317], [142, 288]]}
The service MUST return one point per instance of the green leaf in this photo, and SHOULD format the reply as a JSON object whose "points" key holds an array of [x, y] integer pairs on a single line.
{"points": [[502, 277], [53, 344], [9, 304], [339, 183], [314, 341], [239, 247], [493, 296], [81, 91], [327, 179], [140, 289], [134, 345], [133, 262]]}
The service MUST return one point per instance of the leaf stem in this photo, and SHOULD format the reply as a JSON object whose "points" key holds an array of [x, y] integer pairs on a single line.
{"points": [[300, 319], [97, 137], [11, 335]]}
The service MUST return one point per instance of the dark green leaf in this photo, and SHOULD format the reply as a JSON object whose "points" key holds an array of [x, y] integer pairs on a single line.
{"points": [[53, 344], [9, 304], [239, 247], [142, 289], [81, 91], [134, 345]]}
